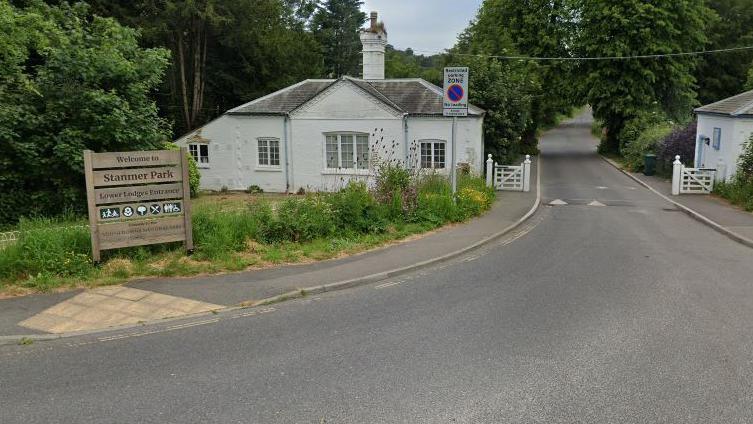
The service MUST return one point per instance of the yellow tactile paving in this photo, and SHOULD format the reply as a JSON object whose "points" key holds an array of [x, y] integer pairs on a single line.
{"points": [[112, 306]]}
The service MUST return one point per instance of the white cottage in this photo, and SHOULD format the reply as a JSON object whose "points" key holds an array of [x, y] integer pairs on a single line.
{"points": [[320, 133], [723, 128]]}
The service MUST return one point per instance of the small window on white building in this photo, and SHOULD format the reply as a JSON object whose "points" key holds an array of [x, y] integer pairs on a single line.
{"points": [[268, 152], [433, 154], [200, 153], [346, 151], [716, 143]]}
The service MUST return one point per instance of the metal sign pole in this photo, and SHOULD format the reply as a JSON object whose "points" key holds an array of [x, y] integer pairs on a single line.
{"points": [[453, 166]]}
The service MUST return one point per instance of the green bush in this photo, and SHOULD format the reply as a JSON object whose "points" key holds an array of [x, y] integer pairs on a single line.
{"points": [[217, 232], [647, 141], [745, 162], [194, 176], [254, 189], [738, 191], [356, 210], [298, 220], [47, 247]]}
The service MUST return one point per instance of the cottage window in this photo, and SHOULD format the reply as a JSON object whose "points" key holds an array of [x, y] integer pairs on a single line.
{"points": [[433, 154], [347, 151], [200, 153], [717, 142], [268, 152]]}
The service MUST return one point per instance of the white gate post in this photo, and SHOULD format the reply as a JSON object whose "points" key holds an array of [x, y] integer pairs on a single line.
{"points": [[721, 171], [676, 176], [489, 171], [527, 174]]}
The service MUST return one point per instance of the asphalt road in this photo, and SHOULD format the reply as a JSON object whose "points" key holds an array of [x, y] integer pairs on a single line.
{"points": [[624, 313]]}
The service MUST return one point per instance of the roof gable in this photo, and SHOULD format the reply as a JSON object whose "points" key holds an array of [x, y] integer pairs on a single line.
{"points": [[739, 105], [346, 100]]}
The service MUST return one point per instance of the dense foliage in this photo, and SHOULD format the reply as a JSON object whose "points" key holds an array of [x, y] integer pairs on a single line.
{"points": [[407, 64], [69, 81], [619, 90], [740, 189], [335, 25], [723, 75], [520, 96]]}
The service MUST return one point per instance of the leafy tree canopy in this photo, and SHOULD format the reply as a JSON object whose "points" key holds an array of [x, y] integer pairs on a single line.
{"points": [[723, 75], [618, 90], [68, 82], [335, 25]]}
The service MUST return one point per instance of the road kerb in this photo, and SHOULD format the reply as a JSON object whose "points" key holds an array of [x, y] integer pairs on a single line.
{"points": [[688, 211], [301, 292], [372, 278]]}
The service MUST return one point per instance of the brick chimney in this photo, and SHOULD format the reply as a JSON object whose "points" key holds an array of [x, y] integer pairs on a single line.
{"points": [[374, 40]]}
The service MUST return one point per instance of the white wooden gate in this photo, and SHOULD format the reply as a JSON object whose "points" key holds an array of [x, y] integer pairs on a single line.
{"points": [[692, 180], [509, 177]]}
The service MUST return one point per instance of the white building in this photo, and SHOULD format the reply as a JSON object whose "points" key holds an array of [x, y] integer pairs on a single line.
{"points": [[723, 128], [319, 134]]}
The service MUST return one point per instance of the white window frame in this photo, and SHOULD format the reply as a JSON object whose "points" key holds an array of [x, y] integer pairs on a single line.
{"points": [[432, 143], [201, 161], [339, 137], [269, 164]]}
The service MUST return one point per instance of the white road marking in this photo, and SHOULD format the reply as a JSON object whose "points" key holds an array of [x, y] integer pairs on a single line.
{"points": [[596, 203], [602, 188], [557, 202]]}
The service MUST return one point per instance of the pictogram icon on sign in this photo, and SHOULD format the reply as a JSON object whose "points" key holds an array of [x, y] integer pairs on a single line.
{"points": [[141, 210], [127, 211], [172, 207], [155, 209], [455, 92]]}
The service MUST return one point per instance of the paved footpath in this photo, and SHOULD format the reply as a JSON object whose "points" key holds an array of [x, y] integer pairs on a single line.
{"points": [[716, 209], [154, 299]]}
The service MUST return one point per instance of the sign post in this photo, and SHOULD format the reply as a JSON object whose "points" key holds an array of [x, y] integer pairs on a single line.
{"points": [[455, 104], [137, 198]]}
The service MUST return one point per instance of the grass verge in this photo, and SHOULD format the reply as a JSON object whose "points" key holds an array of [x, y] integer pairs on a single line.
{"points": [[243, 235]]}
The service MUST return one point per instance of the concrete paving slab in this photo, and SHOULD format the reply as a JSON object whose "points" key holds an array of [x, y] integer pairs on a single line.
{"points": [[108, 307]]}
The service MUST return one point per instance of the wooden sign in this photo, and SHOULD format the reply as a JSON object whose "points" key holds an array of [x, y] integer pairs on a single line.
{"points": [[137, 198]]}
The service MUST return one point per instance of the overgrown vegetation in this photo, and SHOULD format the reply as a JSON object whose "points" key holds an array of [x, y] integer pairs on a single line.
{"points": [[740, 189], [53, 253]]}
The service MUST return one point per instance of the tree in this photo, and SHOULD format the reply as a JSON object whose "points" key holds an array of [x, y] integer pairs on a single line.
{"points": [[722, 75], [68, 82], [536, 28], [406, 64], [500, 88], [224, 53], [749, 84], [335, 25], [619, 89]]}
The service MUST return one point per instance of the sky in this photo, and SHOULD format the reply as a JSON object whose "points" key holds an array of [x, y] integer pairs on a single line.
{"points": [[426, 26]]}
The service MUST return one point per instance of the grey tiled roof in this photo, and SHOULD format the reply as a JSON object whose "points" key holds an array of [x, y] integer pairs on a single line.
{"points": [[740, 105], [285, 100], [411, 96]]}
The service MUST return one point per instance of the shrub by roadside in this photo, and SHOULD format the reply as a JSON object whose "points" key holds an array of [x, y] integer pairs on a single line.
{"points": [[52, 253], [739, 190]]}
